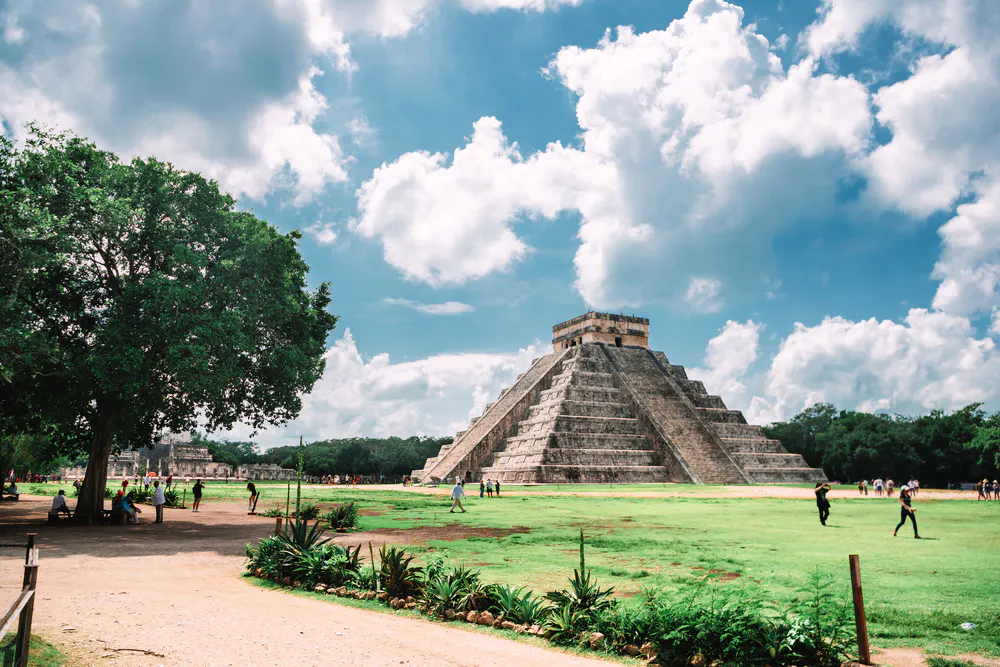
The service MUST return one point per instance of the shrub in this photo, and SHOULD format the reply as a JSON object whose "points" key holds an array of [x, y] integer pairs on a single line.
{"points": [[272, 513], [344, 517], [518, 604], [443, 594], [307, 512], [397, 575], [583, 595], [172, 498]]}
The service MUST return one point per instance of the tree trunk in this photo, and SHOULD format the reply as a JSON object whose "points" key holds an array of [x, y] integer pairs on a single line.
{"points": [[91, 500]]}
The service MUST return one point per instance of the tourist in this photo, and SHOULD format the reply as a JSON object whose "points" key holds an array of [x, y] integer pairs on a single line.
{"points": [[906, 510], [822, 488], [861, 488], [996, 490], [59, 504], [170, 481], [482, 487], [124, 484], [915, 486], [76, 485], [889, 486], [147, 480], [252, 503], [13, 492], [159, 500], [131, 511], [496, 486], [456, 495], [878, 487], [489, 488], [196, 490]]}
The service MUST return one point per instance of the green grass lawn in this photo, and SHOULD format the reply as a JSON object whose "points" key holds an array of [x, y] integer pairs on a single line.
{"points": [[40, 652], [917, 592]]}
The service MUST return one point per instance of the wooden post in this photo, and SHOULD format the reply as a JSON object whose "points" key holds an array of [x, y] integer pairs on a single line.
{"points": [[24, 622], [864, 655], [30, 547], [277, 525]]}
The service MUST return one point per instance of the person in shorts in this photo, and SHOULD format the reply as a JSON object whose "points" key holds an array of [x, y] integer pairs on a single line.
{"points": [[196, 490]]}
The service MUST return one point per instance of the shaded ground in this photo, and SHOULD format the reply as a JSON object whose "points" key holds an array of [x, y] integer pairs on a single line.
{"points": [[174, 590]]}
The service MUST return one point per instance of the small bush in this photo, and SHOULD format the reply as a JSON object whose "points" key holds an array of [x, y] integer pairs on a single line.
{"points": [[273, 513], [344, 517], [398, 576], [307, 512]]}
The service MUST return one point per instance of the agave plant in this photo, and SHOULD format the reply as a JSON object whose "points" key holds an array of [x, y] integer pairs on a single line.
{"points": [[343, 517], [518, 604], [563, 624], [443, 594], [583, 594], [300, 536], [398, 575]]}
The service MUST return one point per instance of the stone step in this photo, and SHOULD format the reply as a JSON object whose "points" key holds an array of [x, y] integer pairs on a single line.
{"points": [[770, 460], [569, 474], [575, 424], [707, 401], [589, 457], [755, 445], [587, 379], [581, 409], [691, 387], [724, 430], [678, 372], [785, 475], [591, 394], [583, 364], [721, 415], [563, 440]]}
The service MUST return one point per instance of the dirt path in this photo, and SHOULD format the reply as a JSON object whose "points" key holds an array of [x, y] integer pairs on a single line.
{"points": [[173, 589]]}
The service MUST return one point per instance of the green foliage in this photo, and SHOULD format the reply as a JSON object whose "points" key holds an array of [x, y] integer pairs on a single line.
{"points": [[363, 456], [518, 604], [443, 594], [344, 517], [272, 513], [583, 595], [820, 630], [398, 575], [137, 297], [300, 535], [40, 652], [937, 448], [307, 512], [564, 624], [172, 497]]}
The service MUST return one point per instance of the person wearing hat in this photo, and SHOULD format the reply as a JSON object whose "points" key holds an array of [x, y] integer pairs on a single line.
{"points": [[822, 488], [457, 494], [906, 510]]}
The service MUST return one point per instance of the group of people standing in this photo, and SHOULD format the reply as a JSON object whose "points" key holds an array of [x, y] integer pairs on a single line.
{"points": [[885, 487], [986, 489], [906, 511], [487, 487]]}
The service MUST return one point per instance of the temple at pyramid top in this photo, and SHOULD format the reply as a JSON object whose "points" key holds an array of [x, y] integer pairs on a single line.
{"points": [[603, 407], [617, 330]]}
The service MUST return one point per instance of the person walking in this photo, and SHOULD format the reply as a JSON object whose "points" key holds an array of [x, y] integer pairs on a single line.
{"points": [[906, 510], [196, 490], [170, 481], [252, 503], [159, 500], [822, 488], [457, 494]]}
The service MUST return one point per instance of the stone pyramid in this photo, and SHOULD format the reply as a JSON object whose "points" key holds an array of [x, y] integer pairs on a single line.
{"points": [[605, 408]]}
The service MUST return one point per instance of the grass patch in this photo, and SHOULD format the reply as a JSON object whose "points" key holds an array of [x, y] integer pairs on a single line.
{"points": [[41, 653]]}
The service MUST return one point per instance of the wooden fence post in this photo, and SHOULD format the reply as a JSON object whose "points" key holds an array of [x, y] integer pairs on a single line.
{"points": [[24, 622], [864, 655], [277, 525]]}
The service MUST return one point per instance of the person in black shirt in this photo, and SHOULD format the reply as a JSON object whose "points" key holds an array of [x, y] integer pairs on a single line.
{"points": [[254, 497], [198, 486], [906, 510], [822, 488]]}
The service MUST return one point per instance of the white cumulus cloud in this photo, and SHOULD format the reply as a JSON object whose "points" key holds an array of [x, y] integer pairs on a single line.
{"points": [[728, 358], [433, 396], [446, 308]]}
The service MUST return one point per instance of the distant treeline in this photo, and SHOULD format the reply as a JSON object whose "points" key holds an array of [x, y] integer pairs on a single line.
{"points": [[938, 449], [356, 456]]}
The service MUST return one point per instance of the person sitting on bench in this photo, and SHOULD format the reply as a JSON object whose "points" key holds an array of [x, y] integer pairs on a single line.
{"points": [[59, 505], [13, 492], [128, 506]]}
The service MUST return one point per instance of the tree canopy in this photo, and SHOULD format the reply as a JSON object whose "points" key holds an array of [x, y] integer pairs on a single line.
{"points": [[136, 297], [938, 448], [391, 456]]}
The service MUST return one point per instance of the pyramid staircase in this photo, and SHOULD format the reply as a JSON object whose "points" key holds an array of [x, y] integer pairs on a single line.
{"points": [[597, 413]]}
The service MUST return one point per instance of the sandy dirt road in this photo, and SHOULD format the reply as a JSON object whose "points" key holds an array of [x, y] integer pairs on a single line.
{"points": [[174, 589]]}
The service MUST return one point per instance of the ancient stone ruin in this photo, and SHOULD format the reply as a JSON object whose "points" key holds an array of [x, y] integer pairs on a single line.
{"points": [[603, 407], [174, 454]]}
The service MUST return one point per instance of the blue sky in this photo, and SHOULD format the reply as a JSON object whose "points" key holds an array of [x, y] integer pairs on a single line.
{"points": [[802, 196]]}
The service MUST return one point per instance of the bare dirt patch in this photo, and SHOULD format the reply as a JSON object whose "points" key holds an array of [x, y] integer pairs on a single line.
{"points": [[423, 534], [179, 587]]}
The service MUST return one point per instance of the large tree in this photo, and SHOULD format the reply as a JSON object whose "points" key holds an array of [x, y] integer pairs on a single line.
{"points": [[148, 301]]}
